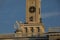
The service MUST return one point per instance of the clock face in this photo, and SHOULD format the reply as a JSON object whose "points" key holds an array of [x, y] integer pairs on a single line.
{"points": [[32, 9]]}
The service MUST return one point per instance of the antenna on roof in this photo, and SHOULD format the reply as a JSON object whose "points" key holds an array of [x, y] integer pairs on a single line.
{"points": [[15, 26]]}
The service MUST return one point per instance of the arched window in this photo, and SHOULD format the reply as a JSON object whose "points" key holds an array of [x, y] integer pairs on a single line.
{"points": [[31, 18]]}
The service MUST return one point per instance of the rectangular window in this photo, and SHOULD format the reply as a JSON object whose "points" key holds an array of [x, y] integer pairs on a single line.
{"points": [[38, 29]]}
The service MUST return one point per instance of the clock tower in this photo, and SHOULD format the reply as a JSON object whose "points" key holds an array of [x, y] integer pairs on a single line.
{"points": [[33, 25]]}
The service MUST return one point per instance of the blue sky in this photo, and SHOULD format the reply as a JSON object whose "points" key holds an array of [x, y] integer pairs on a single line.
{"points": [[12, 10]]}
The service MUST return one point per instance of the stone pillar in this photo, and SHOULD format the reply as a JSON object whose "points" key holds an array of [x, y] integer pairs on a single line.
{"points": [[41, 30], [29, 32], [24, 32], [35, 31]]}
